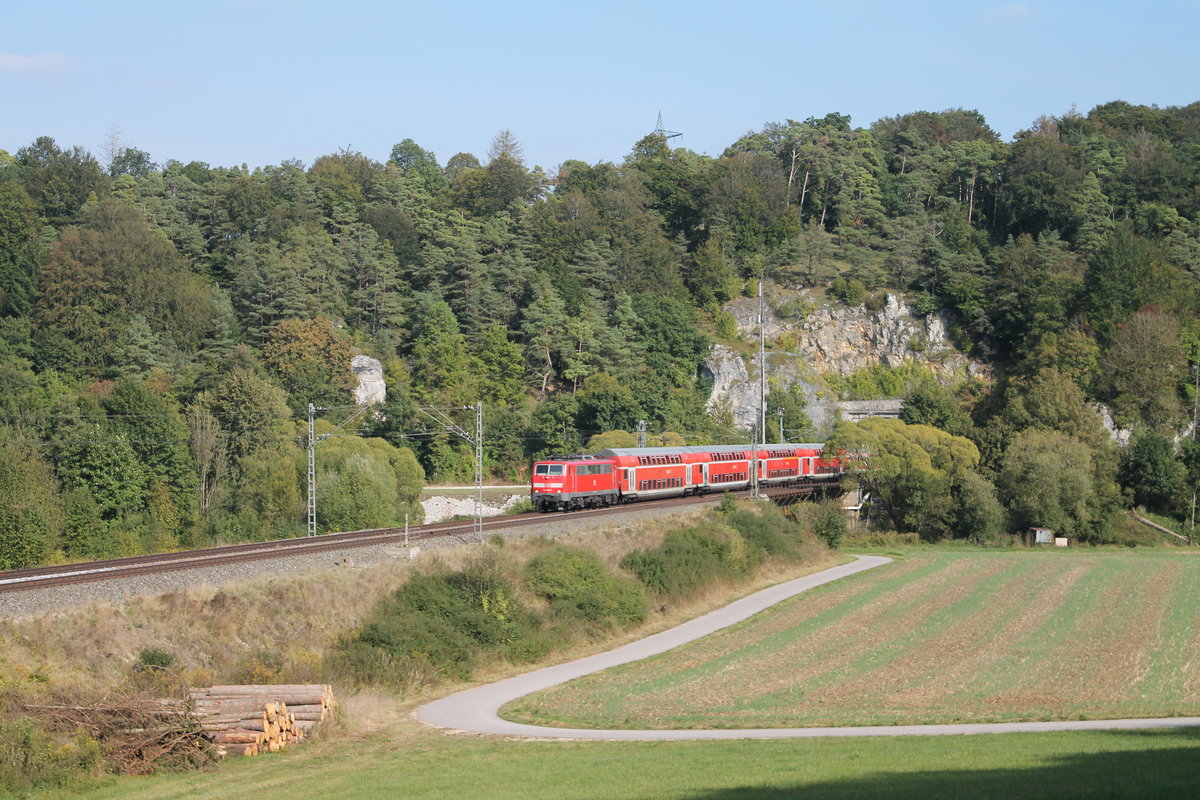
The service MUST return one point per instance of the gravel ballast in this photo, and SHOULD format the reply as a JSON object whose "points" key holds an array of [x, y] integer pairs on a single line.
{"points": [[38, 601]]}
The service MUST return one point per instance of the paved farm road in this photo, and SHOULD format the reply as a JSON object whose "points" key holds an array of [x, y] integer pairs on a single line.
{"points": [[475, 710]]}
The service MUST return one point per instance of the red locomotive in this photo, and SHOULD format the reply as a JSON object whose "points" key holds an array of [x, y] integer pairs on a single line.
{"points": [[625, 474]]}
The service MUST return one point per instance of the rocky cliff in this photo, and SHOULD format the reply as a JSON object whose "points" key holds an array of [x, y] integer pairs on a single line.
{"points": [[371, 387], [828, 340]]}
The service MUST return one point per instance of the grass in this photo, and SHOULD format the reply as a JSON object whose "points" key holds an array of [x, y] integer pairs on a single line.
{"points": [[1171, 523], [403, 760], [940, 636], [376, 749]]}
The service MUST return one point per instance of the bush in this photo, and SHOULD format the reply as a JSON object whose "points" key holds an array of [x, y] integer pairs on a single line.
{"points": [[924, 304], [687, 560], [865, 538], [439, 625], [767, 529], [154, 658], [851, 292], [577, 583], [830, 525], [726, 324], [35, 759]]}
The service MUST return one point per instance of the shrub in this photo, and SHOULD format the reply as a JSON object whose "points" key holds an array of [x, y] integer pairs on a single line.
{"points": [[851, 292], [32, 758], [577, 583], [924, 304], [154, 658], [830, 525], [686, 561], [438, 624], [726, 324], [765, 528]]}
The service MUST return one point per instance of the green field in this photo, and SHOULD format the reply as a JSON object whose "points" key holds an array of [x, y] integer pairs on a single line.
{"points": [[938, 636], [1058, 631], [408, 763]]}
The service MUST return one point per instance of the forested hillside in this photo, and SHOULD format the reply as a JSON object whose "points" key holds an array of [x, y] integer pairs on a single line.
{"points": [[163, 326]]}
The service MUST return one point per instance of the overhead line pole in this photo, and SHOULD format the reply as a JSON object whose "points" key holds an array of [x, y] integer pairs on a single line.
{"points": [[312, 457], [441, 418], [312, 474], [761, 427]]}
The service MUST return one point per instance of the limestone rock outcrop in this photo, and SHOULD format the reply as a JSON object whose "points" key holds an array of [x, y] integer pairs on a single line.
{"points": [[828, 340], [372, 388]]}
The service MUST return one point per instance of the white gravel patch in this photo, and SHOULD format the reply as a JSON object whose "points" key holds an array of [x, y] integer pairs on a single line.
{"points": [[439, 508]]}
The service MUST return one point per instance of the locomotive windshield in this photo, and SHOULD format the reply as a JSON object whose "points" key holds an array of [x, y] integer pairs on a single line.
{"points": [[548, 469]]}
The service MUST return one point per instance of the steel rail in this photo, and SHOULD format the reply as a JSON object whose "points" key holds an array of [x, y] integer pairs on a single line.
{"points": [[133, 566]]}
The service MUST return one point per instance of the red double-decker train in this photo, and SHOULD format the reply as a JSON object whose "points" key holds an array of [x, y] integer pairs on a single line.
{"points": [[626, 474]]}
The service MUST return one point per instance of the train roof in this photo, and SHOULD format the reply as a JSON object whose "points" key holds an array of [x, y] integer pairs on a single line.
{"points": [[715, 448]]}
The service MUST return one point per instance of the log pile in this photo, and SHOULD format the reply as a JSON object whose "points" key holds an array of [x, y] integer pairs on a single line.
{"points": [[251, 719]]}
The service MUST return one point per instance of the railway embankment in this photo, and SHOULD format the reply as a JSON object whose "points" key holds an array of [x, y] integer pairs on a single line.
{"points": [[294, 565]]}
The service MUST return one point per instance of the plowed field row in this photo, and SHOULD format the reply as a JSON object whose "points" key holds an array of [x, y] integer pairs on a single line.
{"points": [[938, 637]]}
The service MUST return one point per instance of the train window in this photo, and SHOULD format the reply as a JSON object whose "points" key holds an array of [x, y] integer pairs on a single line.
{"points": [[548, 469]]}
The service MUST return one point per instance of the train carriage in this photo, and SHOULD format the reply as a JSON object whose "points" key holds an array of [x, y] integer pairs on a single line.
{"points": [[563, 483], [625, 474]]}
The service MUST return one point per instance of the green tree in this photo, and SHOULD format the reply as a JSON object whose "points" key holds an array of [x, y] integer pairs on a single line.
{"points": [[501, 369], [1142, 369], [980, 517], [1123, 274], [31, 516], [544, 325], [250, 410], [268, 491], [605, 405], [1050, 400], [60, 181], [138, 350], [1041, 183], [356, 494], [792, 401], [159, 436], [100, 460], [668, 334], [21, 249], [930, 403], [439, 352], [1046, 480], [552, 427], [912, 470], [419, 164], [1150, 469], [312, 361]]}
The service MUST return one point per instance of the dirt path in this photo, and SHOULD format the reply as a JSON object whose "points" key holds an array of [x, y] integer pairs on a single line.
{"points": [[476, 710]]}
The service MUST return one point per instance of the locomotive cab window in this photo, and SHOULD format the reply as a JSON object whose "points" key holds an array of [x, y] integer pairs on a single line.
{"points": [[549, 469]]}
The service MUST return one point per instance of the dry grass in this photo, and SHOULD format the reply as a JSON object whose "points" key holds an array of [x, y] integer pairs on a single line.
{"points": [[280, 628], [269, 628]]}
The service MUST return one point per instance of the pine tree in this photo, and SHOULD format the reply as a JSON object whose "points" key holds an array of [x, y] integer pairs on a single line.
{"points": [[544, 325], [139, 350], [439, 355]]}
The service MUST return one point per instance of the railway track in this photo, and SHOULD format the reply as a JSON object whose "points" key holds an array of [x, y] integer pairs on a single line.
{"points": [[119, 568]]}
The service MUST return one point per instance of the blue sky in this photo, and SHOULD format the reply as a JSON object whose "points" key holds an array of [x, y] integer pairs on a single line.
{"points": [[261, 81]]}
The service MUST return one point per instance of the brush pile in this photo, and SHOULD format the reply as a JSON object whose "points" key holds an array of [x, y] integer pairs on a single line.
{"points": [[250, 719], [139, 733]]}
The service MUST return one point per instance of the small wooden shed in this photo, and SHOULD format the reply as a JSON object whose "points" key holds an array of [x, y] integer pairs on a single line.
{"points": [[1040, 536]]}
